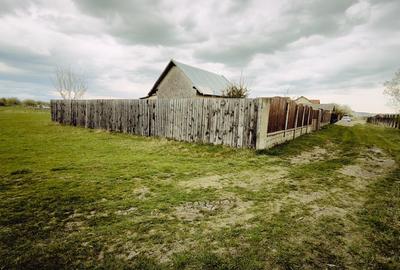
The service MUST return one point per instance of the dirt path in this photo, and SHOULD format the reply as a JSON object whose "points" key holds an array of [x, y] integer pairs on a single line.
{"points": [[351, 123]]}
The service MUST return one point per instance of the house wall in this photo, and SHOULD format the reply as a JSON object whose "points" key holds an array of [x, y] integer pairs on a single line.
{"points": [[175, 85]]}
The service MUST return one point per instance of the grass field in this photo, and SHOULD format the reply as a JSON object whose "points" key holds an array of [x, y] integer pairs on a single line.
{"points": [[78, 198]]}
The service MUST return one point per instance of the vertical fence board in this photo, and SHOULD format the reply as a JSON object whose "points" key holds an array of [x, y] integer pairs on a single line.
{"points": [[231, 122]]}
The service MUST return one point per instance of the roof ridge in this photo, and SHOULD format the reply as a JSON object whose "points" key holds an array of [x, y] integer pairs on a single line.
{"points": [[206, 82], [177, 63]]}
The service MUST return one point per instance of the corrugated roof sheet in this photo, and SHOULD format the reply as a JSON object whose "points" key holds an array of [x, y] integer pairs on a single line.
{"points": [[205, 82], [328, 106]]}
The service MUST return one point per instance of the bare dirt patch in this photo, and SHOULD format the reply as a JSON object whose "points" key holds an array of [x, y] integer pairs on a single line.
{"points": [[315, 154], [252, 180], [351, 123], [319, 212], [210, 181], [142, 193], [223, 212], [126, 211], [306, 198], [372, 163], [75, 225]]}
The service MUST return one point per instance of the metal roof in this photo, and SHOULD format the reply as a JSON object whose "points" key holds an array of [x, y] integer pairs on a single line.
{"points": [[205, 82], [328, 106]]}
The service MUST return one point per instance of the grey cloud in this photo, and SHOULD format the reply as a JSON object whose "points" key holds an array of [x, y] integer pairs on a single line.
{"points": [[138, 22], [15, 56], [10, 6], [299, 20], [234, 33], [389, 20]]}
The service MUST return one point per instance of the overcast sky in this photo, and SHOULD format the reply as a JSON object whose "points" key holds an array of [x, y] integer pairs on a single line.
{"points": [[338, 51]]}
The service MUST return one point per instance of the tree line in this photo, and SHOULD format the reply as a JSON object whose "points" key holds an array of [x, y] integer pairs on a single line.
{"points": [[13, 101]]}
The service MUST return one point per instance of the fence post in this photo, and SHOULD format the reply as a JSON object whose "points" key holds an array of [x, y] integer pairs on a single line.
{"points": [[302, 120], [262, 122], [287, 118], [295, 121], [308, 119], [319, 119]]}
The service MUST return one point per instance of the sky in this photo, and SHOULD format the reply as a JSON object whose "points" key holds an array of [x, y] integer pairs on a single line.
{"points": [[338, 51]]}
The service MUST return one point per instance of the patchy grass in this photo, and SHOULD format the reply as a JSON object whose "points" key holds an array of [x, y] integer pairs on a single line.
{"points": [[78, 198]]}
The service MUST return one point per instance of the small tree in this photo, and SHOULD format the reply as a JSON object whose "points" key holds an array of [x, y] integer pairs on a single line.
{"points": [[392, 89], [70, 84], [343, 110], [236, 90]]}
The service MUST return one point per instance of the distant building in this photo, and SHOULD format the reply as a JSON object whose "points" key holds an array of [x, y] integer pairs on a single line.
{"points": [[306, 101], [183, 81], [315, 103], [327, 107]]}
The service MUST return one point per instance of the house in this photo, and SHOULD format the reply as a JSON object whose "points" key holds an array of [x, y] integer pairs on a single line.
{"points": [[315, 103], [327, 107], [306, 101], [179, 80]]}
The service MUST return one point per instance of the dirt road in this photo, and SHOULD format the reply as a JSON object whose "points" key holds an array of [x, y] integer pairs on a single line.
{"points": [[351, 123]]}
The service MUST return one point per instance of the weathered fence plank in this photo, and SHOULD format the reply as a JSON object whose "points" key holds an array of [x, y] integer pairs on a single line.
{"points": [[232, 122], [386, 120]]}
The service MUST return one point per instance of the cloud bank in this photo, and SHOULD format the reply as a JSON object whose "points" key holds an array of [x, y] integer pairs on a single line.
{"points": [[339, 51]]}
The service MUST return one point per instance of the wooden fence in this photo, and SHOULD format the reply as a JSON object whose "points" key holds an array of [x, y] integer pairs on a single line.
{"points": [[387, 120], [250, 123], [288, 120]]}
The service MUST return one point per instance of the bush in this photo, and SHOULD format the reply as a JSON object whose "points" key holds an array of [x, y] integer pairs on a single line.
{"points": [[29, 103], [26, 102], [12, 101], [42, 104], [236, 90]]}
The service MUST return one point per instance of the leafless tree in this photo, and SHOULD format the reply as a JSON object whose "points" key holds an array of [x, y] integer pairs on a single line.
{"points": [[237, 90], [69, 83], [392, 89]]}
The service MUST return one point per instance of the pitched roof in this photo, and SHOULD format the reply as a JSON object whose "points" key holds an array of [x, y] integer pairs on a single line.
{"points": [[311, 101], [315, 101], [327, 106], [205, 82]]}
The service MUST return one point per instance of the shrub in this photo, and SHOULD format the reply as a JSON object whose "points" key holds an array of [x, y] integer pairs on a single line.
{"points": [[12, 101], [42, 104], [26, 102], [29, 103], [236, 90]]}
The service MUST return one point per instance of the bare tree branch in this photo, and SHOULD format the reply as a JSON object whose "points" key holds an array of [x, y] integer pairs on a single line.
{"points": [[70, 84], [392, 89]]}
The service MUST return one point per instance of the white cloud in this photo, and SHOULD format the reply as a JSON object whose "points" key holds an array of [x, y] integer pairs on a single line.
{"points": [[338, 51]]}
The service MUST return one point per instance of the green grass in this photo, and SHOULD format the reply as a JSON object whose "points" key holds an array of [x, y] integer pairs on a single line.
{"points": [[78, 198]]}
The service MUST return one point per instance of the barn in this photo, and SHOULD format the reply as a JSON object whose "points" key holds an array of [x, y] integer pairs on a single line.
{"points": [[179, 80]]}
